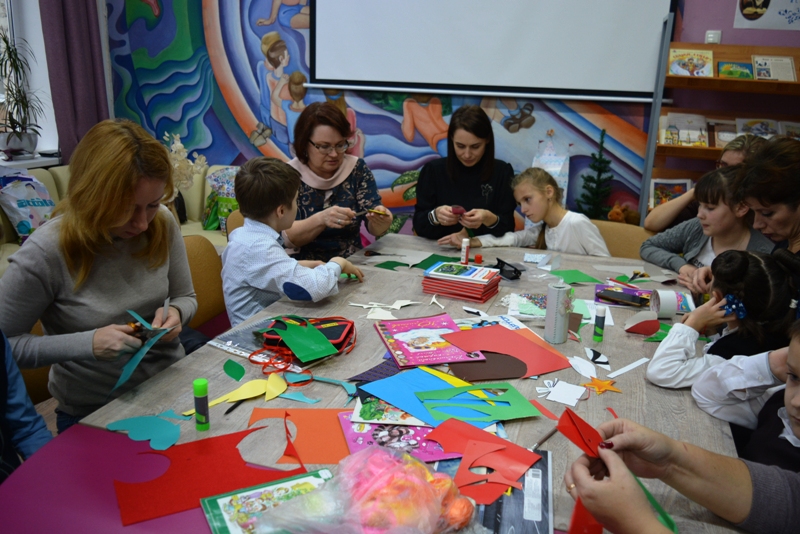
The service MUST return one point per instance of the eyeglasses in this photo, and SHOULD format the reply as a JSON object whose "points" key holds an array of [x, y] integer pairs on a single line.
{"points": [[327, 149]]}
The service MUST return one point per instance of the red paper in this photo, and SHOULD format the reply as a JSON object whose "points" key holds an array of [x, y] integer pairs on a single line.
{"points": [[319, 438], [582, 521], [545, 412], [474, 451], [539, 359], [646, 328], [612, 412], [510, 461], [197, 470], [579, 432]]}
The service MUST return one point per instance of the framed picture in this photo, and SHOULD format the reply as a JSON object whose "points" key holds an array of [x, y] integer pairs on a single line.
{"points": [[665, 189]]}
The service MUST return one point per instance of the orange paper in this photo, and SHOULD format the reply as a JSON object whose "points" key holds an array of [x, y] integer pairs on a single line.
{"points": [[319, 438]]}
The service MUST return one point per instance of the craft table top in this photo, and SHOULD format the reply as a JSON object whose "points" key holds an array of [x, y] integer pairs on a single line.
{"points": [[672, 412]]}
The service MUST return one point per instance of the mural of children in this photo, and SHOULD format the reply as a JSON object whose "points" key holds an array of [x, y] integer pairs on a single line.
{"points": [[292, 108], [420, 339], [296, 11], [336, 97], [273, 85], [515, 118], [423, 114]]}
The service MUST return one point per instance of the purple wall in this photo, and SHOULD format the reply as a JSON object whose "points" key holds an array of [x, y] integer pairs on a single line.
{"points": [[702, 15]]}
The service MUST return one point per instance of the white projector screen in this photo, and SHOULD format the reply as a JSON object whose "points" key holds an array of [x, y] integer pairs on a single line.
{"points": [[559, 47]]}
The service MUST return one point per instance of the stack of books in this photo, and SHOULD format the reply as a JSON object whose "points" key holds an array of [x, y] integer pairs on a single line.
{"points": [[459, 281]]}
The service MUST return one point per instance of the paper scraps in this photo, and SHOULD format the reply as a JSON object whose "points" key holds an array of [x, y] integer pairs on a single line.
{"points": [[153, 428], [270, 388], [379, 314], [583, 367], [510, 404], [597, 358], [545, 412], [628, 367], [548, 386], [395, 306], [434, 301], [234, 370], [319, 438], [601, 386], [627, 270], [384, 369], [566, 393], [644, 322], [574, 276]]}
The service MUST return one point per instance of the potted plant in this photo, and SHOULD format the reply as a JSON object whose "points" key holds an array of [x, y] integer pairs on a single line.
{"points": [[21, 108]]}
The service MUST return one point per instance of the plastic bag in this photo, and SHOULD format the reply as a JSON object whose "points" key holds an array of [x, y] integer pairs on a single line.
{"points": [[210, 213], [221, 202], [376, 491], [26, 202]]}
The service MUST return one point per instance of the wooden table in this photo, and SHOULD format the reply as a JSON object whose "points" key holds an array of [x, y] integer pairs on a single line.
{"points": [[672, 412]]}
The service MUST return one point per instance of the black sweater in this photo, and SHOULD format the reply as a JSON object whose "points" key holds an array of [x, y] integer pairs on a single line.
{"points": [[435, 189]]}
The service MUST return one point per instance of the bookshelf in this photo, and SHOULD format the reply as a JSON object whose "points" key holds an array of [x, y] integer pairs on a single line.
{"points": [[657, 153]]}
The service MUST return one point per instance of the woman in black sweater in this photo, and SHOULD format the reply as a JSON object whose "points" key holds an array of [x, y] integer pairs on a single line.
{"points": [[468, 178]]}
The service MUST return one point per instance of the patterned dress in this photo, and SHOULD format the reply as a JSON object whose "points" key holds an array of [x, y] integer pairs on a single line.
{"points": [[357, 192]]}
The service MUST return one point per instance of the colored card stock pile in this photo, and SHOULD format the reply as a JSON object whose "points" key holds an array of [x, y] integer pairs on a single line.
{"points": [[463, 282]]}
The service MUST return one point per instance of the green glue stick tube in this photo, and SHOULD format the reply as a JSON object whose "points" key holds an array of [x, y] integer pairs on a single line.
{"points": [[200, 386], [599, 323]]}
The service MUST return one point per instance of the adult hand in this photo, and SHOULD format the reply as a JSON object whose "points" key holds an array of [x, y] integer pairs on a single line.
{"points": [[477, 217], [701, 280], [173, 320], [778, 365], [336, 217], [445, 216], [646, 452], [616, 501], [110, 342], [686, 275], [454, 239], [379, 224], [708, 315], [349, 268]]}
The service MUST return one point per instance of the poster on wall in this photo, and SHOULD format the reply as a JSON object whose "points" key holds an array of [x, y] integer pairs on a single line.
{"points": [[767, 15]]}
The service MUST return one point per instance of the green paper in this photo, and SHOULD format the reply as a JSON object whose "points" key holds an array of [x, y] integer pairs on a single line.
{"points": [[574, 276], [579, 306], [296, 378], [663, 517], [622, 278], [659, 336], [391, 265], [305, 341], [510, 404], [529, 308], [234, 370], [433, 259]]}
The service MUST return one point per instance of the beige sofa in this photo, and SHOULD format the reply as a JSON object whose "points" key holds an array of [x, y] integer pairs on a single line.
{"points": [[56, 180]]}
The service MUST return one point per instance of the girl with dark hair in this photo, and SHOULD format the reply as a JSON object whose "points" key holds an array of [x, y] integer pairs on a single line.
{"points": [[752, 295], [336, 191], [470, 180], [721, 224]]}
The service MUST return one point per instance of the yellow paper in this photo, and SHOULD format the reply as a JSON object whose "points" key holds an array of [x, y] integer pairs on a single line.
{"points": [[275, 386], [270, 388]]}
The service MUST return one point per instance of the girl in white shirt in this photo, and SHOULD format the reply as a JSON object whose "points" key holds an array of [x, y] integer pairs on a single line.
{"points": [[556, 228], [753, 293]]}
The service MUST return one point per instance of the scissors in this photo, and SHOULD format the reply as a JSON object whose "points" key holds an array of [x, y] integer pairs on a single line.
{"points": [[145, 333]]}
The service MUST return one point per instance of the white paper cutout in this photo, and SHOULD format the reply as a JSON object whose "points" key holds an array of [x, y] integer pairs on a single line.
{"points": [[380, 314], [434, 301], [548, 386], [627, 368], [566, 393], [583, 367], [598, 358], [641, 317], [592, 305]]}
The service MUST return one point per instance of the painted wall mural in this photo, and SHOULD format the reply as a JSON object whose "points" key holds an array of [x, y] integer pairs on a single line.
{"points": [[228, 78]]}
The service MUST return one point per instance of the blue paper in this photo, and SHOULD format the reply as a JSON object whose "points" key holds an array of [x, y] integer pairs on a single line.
{"points": [[139, 319], [298, 396], [161, 433], [172, 415], [130, 367], [400, 391]]}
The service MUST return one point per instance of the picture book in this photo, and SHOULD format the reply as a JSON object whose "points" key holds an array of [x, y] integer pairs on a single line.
{"points": [[418, 341], [238, 511], [686, 129], [765, 128], [790, 129], [379, 412], [663, 190], [400, 438], [462, 273], [691, 62], [733, 69], [525, 511], [775, 68], [461, 291], [722, 132], [626, 290]]}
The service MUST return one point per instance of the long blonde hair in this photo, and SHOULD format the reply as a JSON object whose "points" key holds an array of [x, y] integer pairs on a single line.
{"points": [[104, 171], [539, 179]]}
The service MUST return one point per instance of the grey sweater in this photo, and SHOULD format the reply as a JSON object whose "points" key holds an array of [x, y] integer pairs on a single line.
{"points": [[37, 285], [673, 248], [776, 494]]}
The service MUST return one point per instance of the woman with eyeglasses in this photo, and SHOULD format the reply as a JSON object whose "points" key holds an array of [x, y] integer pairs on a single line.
{"points": [[337, 189], [468, 193], [685, 207]]}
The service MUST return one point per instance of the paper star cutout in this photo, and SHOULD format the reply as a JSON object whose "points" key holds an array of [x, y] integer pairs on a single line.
{"points": [[601, 386]]}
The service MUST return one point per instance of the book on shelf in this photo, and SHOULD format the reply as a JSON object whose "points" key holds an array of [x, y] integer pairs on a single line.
{"points": [[418, 341], [691, 62], [721, 132], [662, 190], [735, 69], [462, 273], [779, 68], [686, 129], [790, 129], [765, 128]]}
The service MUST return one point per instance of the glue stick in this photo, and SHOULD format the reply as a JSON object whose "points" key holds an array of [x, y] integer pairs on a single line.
{"points": [[465, 251], [599, 323], [200, 386]]}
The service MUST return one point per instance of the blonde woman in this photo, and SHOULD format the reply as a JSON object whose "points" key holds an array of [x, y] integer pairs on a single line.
{"points": [[111, 247]]}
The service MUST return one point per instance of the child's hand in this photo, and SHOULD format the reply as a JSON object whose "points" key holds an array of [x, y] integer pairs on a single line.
{"points": [[455, 239], [708, 315], [778, 363], [445, 216], [349, 268]]}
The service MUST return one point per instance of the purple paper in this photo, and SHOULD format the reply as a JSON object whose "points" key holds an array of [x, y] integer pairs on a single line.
{"points": [[75, 473], [384, 369], [401, 438]]}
